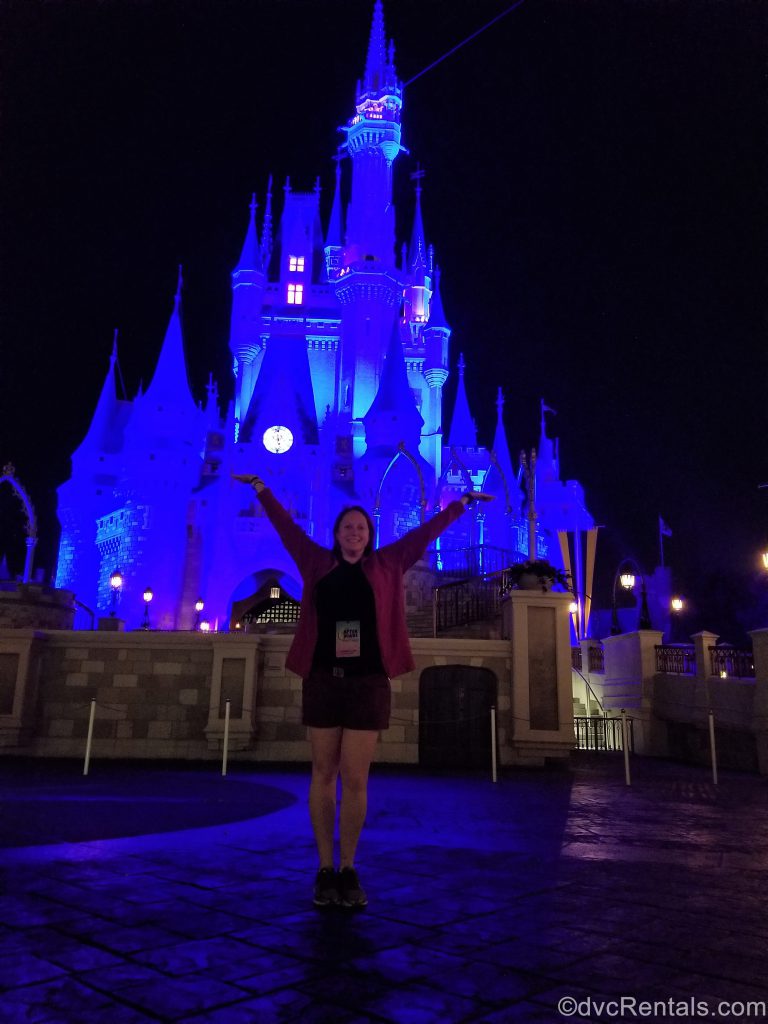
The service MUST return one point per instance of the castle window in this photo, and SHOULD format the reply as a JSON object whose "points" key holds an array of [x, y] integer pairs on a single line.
{"points": [[296, 264], [295, 294]]}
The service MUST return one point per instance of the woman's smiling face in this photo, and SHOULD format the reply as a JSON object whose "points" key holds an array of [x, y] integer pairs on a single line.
{"points": [[352, 536]]}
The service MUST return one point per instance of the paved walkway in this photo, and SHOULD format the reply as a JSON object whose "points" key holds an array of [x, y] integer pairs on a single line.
{"points": [[489, 903]]}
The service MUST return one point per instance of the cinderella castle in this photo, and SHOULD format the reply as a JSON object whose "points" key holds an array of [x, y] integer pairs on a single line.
{"points": [[340, 348]]}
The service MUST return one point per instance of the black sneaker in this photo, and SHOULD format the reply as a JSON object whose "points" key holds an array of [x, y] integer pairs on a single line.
{"points": [[351, 893], [326, 892]]}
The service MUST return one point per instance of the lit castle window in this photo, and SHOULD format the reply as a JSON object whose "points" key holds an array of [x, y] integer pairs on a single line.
{"points": [[295, 294], [296, 264]]}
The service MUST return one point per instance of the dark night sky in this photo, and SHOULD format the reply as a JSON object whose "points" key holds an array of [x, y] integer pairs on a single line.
{"points": [[594, 192]]}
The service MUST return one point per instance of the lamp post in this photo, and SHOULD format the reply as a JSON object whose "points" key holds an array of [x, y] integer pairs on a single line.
{"points": [[199, 605], [676, 605], [116, 583], [528, 467], [626, 575], [147, 595]]}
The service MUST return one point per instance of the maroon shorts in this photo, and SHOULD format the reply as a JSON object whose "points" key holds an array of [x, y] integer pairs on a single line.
{"points": [[352, 702]]}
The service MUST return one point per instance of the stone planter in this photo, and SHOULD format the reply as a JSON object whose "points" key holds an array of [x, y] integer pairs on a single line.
{"points": [[530, 581]]}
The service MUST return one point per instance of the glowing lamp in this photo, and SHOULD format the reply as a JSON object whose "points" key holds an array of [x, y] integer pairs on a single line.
{"points": [[147, 595], [274, 593], [627, 580], [205, 626], [765, 559], [677, 604], [573, 607], [115, 582], [199, 605]]}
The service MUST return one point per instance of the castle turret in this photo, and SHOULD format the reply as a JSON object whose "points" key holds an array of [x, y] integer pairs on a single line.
{"points": [[245, 322], [419, 290], [463, 430], [436, 337], [368, 287], [501, 446], [373, 142], [105, 433], [334, 239], [167, 415]]}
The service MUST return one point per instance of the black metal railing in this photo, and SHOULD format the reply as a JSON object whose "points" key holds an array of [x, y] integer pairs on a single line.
{"points": [[475, 560], [602, 734], [466, 601], [676, 659], [596, 659], [576, 658], [727, 661]]}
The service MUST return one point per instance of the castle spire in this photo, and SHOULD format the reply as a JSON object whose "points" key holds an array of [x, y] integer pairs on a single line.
{"points": [[266, 229], [376, 63], [105, 432], [463, 430], [335, 234], [250, 255], [418, 250], [393, 414], [500, 443], [436, 312], [169, 387], [373, 142]]}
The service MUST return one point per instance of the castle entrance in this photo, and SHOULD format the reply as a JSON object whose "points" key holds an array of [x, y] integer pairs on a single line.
{"points": [[269, 606]]}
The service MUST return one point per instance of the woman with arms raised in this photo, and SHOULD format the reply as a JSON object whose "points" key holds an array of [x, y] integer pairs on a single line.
{"points": [[350, 641]]}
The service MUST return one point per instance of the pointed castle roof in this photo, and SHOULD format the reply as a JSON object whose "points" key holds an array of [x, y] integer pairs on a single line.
{"points": [[105, 434], [379, 64], [283, 393], [418, 250], [251, 255], [393, 410], [436, 311], [463, 430], [500, 443], [335, 235], [266, 229], [169, 386]]}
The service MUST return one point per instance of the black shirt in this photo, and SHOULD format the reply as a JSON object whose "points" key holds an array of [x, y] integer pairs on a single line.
{"points": [[345, 596]]}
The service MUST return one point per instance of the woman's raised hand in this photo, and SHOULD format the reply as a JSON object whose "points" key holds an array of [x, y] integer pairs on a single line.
{"points": [[250, 478], [471, 496]]}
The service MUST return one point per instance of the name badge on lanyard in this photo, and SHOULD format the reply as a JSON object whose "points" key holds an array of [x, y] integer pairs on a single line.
{"points": [[348, 639]]}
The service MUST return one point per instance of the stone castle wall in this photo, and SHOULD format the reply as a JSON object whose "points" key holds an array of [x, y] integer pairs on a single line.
{"points": [[162, 695]]}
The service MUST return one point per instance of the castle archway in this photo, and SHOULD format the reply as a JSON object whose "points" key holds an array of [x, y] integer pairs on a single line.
{"points": [[265, 598]]}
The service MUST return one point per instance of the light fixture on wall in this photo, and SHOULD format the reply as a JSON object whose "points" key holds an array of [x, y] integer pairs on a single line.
{"points": [[199, 605]]}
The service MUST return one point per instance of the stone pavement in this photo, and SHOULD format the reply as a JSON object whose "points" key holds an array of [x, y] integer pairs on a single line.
{"points": [[165, 893]]}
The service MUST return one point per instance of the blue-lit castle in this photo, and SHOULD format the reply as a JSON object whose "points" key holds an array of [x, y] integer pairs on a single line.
{"points": [[341, 349]]}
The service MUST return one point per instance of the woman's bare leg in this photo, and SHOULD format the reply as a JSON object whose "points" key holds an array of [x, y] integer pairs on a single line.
{"points": [[357, 750], [326, 756]]}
